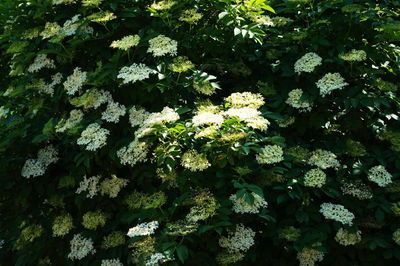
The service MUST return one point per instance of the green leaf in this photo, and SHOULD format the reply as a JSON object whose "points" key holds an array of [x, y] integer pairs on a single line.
{"points": [[182, 252], [379, 215], [268, 8]]}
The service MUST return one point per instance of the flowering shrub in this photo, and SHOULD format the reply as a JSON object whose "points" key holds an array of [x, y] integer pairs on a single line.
{"points": [[203, 132]]}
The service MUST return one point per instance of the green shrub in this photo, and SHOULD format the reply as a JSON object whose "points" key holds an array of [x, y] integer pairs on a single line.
{"points": [[245, 132]]}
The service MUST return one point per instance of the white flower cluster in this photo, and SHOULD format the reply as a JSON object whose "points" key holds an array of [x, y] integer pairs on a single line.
{"points": [[134, 153], [337, 212], [112, 186], [315, 178], [143, 229], [126, 42], [49, 88], [354, 55], [134, 73], [380, 176], [307, 63], [137, 116], [4, 112], [270, 154], [309, 256], [329, 83], [90, 185], [157, 259], [137, 151], [207, 118], [113, 112], [396, 236], [41, 61], [111, 262], [244, 106], [323, 159], [295, 101], [165, 116], [75, 81], [95, 98], [51, 29], [37, 167], [240, 205], [244, 113], [194, 161], [245, 99], [71, 26], [75, 117], [345, 238], [66, 2], [162, 45], [357, 189], [240, 240], [80, 247], [94, 137]]}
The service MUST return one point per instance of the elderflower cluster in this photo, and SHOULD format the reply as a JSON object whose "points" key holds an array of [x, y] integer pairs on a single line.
{"points": [[126, 42], [396, 236], [337, 212], [194, 161], [345, 238], [94, 137], [240, 205], [207, 118], [75, 117], [357, 189], [92, 99], [111, 262], [163, 5], [113, 112], [330, 82], [354, 55], [71, 26], [137, 116], [190, 16], [49, 88], [245, 99], [62, 225], [162, 45], [114, 239], [75, 81], [157, 259], [112, 186], [41, 61], [295, 101], [134, 73], [65, 2], [323, 159], [135, 152], [181, 64], [270, 154], [80, 247], [51, 29], [90, 185], [206, 206], [92, 220], [309, 256], [37, 167], [379, 175], [315, 178], [143, 229], [307, 63], [240, 240], [4, 112]]}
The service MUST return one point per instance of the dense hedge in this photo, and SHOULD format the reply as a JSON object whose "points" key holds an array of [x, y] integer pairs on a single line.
{"points": [[201, 132]]}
